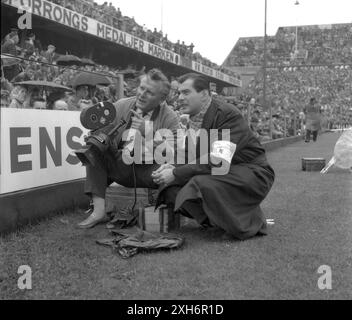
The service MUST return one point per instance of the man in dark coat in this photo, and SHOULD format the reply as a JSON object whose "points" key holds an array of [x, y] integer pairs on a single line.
{"points": [[230, 200], [313, 119]]}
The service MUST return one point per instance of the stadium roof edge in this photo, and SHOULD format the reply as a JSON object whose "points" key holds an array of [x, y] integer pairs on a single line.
{"points": [[318, 25]]}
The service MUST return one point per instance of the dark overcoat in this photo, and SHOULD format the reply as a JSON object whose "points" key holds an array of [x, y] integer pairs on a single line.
{"points": [[230, 201], [313, 117]]}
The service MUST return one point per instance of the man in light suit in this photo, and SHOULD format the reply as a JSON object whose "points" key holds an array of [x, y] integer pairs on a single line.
{"points": [[148, 105]]}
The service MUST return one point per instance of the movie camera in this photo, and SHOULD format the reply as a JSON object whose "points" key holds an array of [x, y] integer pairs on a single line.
{"points": [[100, 120]]}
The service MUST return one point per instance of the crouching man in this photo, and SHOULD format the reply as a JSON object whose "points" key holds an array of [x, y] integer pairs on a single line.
{"points": [[230, 198], [146, 111]]}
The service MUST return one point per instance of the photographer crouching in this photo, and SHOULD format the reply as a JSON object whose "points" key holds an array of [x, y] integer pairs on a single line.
{"points": [[137, 113]]}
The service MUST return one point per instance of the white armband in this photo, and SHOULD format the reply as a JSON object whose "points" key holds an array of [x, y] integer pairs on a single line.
{"points": [[223, 149]]}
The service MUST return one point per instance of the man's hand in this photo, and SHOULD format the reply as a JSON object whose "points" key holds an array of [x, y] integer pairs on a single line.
{"points": [[163, 167], [164, 175], [138, 122]]}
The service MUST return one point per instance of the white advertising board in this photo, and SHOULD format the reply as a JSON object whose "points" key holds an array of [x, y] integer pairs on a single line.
{"points": [[37, 148]]}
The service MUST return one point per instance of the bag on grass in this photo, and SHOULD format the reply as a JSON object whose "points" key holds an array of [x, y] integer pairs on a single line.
{"points": [[129, 242]]}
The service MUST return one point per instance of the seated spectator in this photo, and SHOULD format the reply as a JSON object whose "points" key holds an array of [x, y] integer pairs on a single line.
{"points": [[9, 47], [42, 74], [39, 103], [7, 37], [5, 84], [49, 53], [5, 98], [60, 105], [173, 94], [74, 101], [54, 96], [276, 129], [29, 45], [17, 97], [112, 94], [26, 75], [102, 94]]}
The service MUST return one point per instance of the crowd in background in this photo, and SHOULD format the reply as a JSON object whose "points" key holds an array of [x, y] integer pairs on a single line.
{"points": [[291, 87], [321, 67], [40, 64], [288, 89], [318, 45]]}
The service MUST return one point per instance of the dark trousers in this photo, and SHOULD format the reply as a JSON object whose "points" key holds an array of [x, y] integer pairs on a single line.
{"points": [[231, 201], [113, 169], [315, 135], [191, 208]]}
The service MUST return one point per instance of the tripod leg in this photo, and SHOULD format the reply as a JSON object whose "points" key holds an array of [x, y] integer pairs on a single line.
{"points": [[328, 166]]}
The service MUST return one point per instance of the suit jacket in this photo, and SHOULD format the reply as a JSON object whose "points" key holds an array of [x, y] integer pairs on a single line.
{"points": [[163, 117], [220, 116]]}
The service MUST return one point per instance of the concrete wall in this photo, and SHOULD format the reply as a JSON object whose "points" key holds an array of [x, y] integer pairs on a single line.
{"points": [[278, 143], [20, 208]]}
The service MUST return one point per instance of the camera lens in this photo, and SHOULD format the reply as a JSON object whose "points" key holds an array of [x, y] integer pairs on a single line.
{"points": [[94, 118]]}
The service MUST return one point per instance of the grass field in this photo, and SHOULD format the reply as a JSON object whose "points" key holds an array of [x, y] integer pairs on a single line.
{"points": [[313, 227]]}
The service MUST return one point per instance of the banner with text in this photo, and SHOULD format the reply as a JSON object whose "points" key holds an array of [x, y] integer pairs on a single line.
{"points": [[77, 21], [37, 148], [196, 66], [80, 22]]}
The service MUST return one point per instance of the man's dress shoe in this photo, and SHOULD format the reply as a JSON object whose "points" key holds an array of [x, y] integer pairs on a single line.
{"points": [[91, 222]]}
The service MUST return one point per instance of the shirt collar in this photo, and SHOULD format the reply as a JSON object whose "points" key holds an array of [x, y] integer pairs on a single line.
{"points": [[148, 114], [207, 105], [203, 110]]}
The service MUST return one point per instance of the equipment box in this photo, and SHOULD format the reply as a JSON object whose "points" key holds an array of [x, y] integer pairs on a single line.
{"points": [[161, 220], [313, 164]]}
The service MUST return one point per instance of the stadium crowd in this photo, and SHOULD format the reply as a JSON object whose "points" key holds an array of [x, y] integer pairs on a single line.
{"points": [[288, 88], [321, 68], [35, 64], [318, 45], [108, 14]]}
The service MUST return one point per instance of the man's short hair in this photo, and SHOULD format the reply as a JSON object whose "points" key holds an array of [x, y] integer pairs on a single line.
{"points": [[13, 34], [81, 86], [200, 82], [158, 76]]}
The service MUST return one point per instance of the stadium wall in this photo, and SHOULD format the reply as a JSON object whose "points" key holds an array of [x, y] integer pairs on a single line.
{"points": [[39, 174], [29, 206]]}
